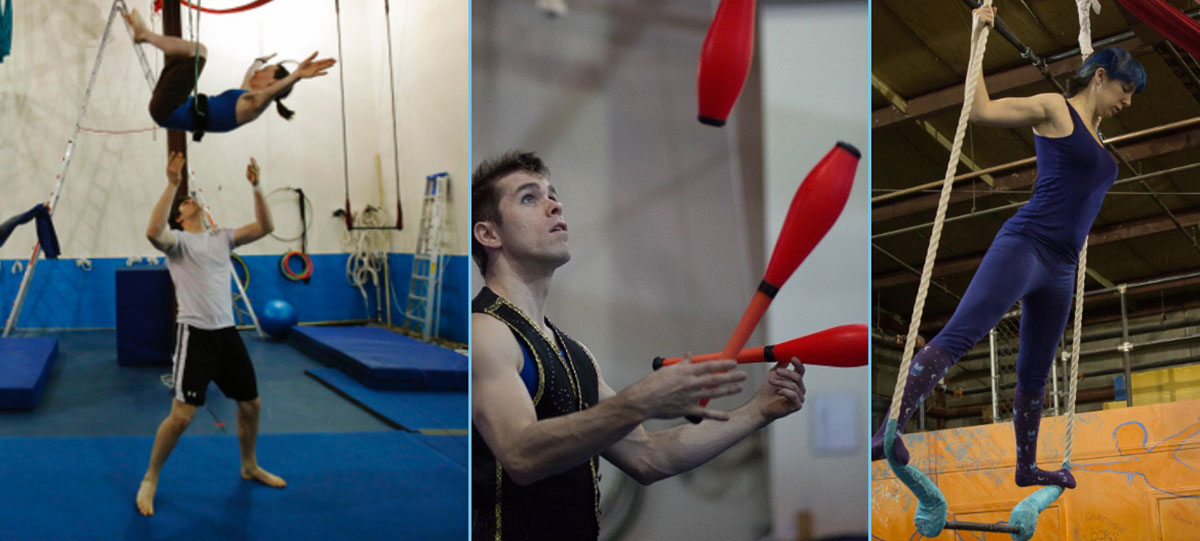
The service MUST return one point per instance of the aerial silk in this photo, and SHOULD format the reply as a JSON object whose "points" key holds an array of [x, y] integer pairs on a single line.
{"points": [[45, 229], [6, 30], [1164, 18]]}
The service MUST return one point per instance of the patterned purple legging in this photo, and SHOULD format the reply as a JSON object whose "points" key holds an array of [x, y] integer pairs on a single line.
{"points": [[1015, 267]]}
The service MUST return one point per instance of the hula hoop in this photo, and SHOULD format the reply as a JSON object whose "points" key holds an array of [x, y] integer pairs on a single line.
{"points": [[245, 270], [286, 270]]}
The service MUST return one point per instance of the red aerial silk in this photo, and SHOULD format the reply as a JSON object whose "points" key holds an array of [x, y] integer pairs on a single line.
{"points": [[247, 7], [1168, 21]]}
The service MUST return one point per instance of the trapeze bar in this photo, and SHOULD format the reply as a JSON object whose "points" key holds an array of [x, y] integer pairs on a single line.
{"points": [[980, 527]]}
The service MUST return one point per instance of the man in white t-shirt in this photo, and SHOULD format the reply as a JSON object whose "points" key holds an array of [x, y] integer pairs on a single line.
{"points": [[207, 344]]}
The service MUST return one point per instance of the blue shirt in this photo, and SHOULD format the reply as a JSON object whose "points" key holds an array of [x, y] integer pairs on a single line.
{"points": [[222, 113], [1074, 174]]}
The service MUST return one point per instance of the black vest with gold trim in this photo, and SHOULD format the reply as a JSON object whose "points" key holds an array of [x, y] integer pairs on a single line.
{"points": [[565, 506]]}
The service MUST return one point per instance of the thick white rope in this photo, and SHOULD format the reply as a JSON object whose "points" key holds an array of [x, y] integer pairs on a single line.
{"points": [[1085, 25], [974, 67], [1085, 50], [1073, 373], [365, 264]]}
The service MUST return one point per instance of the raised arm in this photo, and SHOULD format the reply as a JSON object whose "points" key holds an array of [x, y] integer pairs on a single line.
{"points": [[1032, 111], [309, 68], [651, 456], [157, 232], [530, 449], [262, 225]]}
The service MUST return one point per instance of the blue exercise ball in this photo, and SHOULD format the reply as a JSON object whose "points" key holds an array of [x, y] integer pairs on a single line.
{"points": [[277, 318]]}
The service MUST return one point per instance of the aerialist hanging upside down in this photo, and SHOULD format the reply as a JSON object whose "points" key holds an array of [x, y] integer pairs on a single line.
{"points": [[1034, 256], [173, 106]]}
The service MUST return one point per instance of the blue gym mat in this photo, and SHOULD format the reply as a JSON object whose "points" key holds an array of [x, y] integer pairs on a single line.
{"points": [[382, 359], [24, 365], [440, 416], [451, 447], [380, 485], [415, 411]]}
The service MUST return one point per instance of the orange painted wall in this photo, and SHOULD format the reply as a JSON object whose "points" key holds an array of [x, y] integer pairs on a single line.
{"points": [[1138, 474]]}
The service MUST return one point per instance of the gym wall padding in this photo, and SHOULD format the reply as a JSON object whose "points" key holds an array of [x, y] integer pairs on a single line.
{"points": [[145, 314], [1136, 468], [63, 296]]}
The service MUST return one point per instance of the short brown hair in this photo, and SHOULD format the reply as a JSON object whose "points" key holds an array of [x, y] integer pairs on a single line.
{"points": [[173, 217], [485, 198]]}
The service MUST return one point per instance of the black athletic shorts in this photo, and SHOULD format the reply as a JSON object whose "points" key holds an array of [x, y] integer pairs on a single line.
{"points": [[218, 356]]}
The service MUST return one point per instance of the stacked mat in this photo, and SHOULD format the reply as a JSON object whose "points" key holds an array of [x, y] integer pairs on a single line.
{"points": [[24, 366], [382, 359]]}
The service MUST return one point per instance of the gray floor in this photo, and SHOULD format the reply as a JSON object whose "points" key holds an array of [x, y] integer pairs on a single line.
{"points": [[88, 394]]}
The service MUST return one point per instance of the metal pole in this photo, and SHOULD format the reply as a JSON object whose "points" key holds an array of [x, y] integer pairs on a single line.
{"points": [[921, 415], [1185, 123], [995, 377], [1026, 51], [1151, 282], [181, 142], [982, 527], [1107, 41], [387, 15], [1001, 208], [1185, 361], [1105, 335], [1125, 348]]}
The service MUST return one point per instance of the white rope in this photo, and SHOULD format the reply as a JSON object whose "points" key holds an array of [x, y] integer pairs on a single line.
{"points": [[975, 66], [1073, 372], [369, 248], [1085, 25], [1085, 49]]}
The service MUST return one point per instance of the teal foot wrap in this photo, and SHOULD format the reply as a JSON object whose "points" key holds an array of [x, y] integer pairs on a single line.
{"points": [[931, 505], [1025, 514]]}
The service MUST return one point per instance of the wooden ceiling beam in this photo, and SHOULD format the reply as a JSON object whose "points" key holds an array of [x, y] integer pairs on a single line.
{"points": [[945, 99], [1024, 178], [1113, 233]]}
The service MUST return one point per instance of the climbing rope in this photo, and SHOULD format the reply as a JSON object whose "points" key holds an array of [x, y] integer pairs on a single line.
{"points": [[975, 66], [930, 517]]}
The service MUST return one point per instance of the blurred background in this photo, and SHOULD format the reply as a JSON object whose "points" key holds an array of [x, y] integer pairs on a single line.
{"points": [[672, 221]]}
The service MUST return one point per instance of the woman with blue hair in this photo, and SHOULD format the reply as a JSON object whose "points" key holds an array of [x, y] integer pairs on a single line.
{"points": [[1033, 257]]}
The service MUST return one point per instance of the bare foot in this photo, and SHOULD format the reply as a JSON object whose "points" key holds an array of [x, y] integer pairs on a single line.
{"points": [[263, 476], [139, 27], [145, 498]]}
